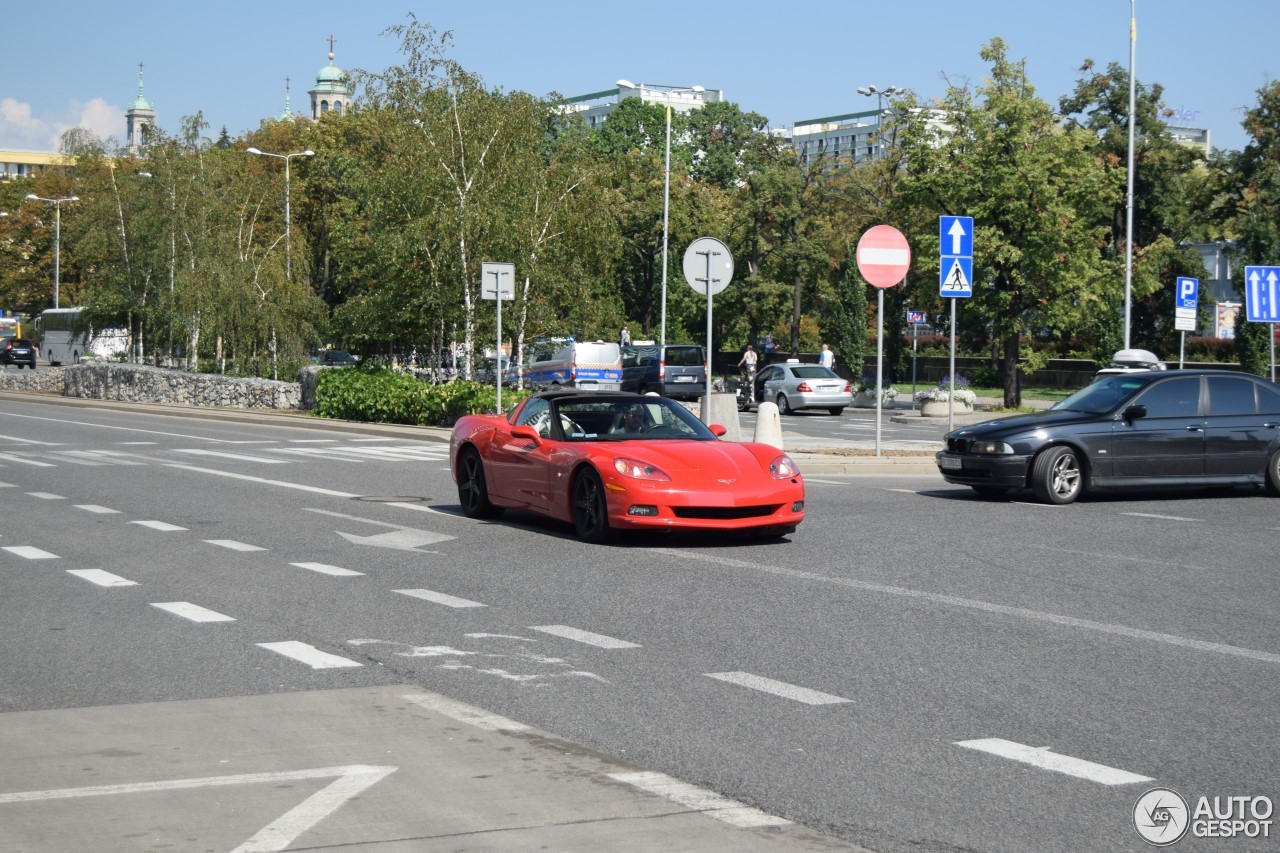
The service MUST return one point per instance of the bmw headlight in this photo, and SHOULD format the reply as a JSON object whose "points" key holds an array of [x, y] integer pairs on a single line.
{"points": [[991, 448]]}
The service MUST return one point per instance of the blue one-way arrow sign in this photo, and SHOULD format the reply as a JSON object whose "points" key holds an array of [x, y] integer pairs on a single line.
{"points": [[955, 244], [1262, 294]]}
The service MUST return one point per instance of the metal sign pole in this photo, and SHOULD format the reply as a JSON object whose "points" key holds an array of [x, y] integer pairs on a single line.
{"points": [[879, 360], [497, 361], [951, 383], [706, 368]]}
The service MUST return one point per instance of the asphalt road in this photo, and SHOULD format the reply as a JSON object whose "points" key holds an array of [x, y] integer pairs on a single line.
{"points": [[915, 669]]}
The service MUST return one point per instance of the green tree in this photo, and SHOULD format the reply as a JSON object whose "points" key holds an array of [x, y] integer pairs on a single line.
{"points": [[1038, 197]]}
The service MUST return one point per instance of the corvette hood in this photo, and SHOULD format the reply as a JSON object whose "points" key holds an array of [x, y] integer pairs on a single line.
{"points": [[706, 458]]}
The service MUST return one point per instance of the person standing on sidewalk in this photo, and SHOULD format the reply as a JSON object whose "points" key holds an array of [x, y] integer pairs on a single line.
{"points": [[827, 358]]}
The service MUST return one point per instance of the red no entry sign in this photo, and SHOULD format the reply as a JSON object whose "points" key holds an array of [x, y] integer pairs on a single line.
{"points": [[883, 256]]}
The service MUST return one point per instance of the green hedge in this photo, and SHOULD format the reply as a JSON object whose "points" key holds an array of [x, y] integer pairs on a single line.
{"points": [[381, 395]]}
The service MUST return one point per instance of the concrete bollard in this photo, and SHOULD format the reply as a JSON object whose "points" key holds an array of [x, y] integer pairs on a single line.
{"points": [[724, 411], [769, 425]]}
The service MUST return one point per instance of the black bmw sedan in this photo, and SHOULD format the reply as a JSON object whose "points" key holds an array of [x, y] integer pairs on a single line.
{"points": [[1136, 430]]}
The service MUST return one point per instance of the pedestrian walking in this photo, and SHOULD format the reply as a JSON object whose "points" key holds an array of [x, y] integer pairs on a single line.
{"points": [[827, 358], [624, 337]]}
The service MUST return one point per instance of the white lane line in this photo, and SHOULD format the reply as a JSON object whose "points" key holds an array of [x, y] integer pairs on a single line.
{"points": [[904, 491], [986, 607], [581, 636], [16, 440], [194, 612], [46, 496], [325, 569], [158, 525], [75, 457], [1047, 760], [234, 476], [240, 457], [7, 486], [778, 688], [97, 457], [101, 578], [9, 457], [100, 510], [137, 442], [372, 439], [233, 545], [440, 598], [1162, 517], [468, 714], [29, 552], [700, 799], [308, 654], [312, 440], [825, 482]]}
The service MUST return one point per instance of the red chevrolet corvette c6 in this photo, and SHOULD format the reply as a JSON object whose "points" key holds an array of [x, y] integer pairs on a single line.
{"points": [[608, 462]]}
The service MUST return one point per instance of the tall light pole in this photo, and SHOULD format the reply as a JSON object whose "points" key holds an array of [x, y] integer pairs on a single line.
{"points": [[1128, 208], [288, 246], [880, 95], [666, 201], [57, 238]]}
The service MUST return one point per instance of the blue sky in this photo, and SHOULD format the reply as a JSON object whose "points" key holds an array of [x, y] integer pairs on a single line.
{"points": [[78, 65]]}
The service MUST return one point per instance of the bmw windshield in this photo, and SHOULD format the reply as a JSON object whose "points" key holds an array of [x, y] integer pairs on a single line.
{"points": [[1104, 394]]}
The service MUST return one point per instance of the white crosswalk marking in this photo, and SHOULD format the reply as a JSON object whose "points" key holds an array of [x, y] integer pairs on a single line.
{"points": [[440, 598], [325, 569], [46, 496], [239, 457], [100, 510], [29, 552], [101, 578], [158, 525], [308, 654], [194, 612], [1047, 760], [777, 688], [599, 640], [234, 545]]}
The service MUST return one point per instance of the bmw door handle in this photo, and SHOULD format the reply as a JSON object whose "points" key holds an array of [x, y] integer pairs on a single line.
{"points": [[1271, 425], [1195, 428]]}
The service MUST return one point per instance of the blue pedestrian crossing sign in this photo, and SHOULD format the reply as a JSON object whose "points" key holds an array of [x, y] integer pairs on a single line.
{"points": [[1262, 294], [955, 248]]}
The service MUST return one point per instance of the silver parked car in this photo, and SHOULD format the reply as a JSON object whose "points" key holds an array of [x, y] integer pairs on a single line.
{"points": [[793, 386]]}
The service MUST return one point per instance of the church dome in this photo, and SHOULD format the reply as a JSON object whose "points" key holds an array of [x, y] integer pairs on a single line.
{"points": [[331, 77]]}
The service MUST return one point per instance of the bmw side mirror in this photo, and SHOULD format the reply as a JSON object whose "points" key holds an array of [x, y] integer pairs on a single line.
{"points": [[1132, 413]]}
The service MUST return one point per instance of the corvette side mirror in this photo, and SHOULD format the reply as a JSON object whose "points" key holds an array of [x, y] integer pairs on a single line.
{"points": [[525, 431], [717, 430]]}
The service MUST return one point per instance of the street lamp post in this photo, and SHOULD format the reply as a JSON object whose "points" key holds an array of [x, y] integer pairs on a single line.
{"points": [[880, 95], [57, 238], [666, 200], [288, 246], [1128, 207]]}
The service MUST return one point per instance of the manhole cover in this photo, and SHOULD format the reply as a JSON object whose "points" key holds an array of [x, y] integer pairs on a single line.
{"points": [[390, 499]]}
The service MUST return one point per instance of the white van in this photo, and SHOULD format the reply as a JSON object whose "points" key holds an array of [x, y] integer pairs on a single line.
{"points": [[596, 366]]}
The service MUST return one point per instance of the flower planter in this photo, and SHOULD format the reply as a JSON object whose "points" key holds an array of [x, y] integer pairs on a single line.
{"points": [[939, 408], [862, 400]]}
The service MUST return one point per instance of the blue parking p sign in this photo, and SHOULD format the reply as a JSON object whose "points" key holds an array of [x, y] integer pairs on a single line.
{"points": [[1188, 292]]}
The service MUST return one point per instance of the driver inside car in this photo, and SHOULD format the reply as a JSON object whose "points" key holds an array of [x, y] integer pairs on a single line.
{"points": [[632, 420]]}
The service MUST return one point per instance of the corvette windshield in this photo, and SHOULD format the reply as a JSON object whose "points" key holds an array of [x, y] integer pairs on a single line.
{"points": [[1103, 395], [628, 419]]}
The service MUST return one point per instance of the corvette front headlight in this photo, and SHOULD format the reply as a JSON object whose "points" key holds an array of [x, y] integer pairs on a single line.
{"points": [[991, 448], [639, 470], [783, 468]]}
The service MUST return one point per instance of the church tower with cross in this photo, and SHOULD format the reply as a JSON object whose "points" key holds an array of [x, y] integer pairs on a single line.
{"points": [[139, 118], [333, 89]]}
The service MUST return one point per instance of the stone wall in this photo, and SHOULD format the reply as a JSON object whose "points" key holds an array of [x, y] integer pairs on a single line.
{"points": [[136, 383]]}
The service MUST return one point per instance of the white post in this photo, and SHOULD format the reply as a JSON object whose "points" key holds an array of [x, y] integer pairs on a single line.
{"points": [[666, 204]]}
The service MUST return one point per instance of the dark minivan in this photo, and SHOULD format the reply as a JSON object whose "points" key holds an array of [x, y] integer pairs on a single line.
{"points": [[678, 371]]}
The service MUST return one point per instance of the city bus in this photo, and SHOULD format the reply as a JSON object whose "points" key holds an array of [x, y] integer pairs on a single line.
{"points": [[65, 339], [10, 327]]}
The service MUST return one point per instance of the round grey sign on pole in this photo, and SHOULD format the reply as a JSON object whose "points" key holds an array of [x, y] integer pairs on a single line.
{"points": [[707, 255]]}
